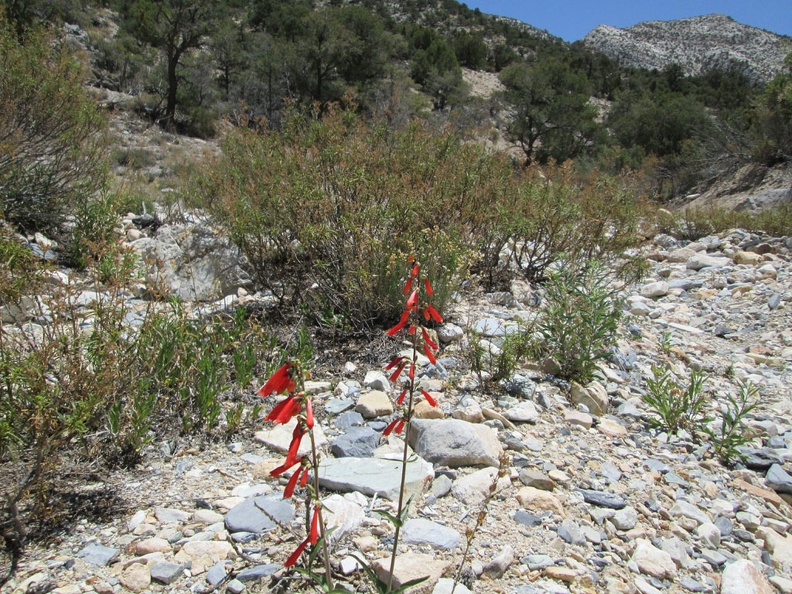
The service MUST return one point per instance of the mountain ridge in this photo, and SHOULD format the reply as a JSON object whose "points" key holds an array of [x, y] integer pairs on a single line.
{"points": [[697, 44]]}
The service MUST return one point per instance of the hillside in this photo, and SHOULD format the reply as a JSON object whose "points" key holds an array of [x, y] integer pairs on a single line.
{"points": [[698, 44]]}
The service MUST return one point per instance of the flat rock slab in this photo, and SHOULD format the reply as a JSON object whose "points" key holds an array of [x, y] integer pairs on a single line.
{"points": [[603, 499], [437, 536], [256, 515], [373, 476], [455, 443], [97, 554]]}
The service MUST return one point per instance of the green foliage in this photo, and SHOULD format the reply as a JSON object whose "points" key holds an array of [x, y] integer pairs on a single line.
{"points": [[676, 406], [730, 435], [693, 224], [51, 133], [772, 121], [326, 210], [580, 319], [657, 124], [553, 118]]}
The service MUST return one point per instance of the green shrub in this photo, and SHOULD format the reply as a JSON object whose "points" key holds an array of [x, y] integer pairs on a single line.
{"points": [[580, 319], [731, 435], [676, 406], [326, 210], [52, 133]]}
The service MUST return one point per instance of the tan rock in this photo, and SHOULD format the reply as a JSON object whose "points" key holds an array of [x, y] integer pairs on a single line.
{"points": [[152, 545], [611, 428], [576, 417], [412, 566], [204, 554], [374, 404], [747, 258], [743, 577], [779, 547], [136, 577], [424, 410], [652, 561], [537, 500], [564, 574], [593, 396]]}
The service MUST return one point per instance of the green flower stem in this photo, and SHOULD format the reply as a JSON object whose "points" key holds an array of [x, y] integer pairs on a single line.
{"points": [[322, 533]]}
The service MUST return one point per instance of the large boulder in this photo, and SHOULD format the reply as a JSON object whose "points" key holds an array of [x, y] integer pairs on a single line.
{"points": [[191, 262], [454, 443]]}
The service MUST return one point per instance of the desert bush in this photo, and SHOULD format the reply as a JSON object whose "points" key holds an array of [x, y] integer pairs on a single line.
{"points": [[580, 319], [51, 132], [693, 224], [558, 214], [675, 405], [337, 204]]}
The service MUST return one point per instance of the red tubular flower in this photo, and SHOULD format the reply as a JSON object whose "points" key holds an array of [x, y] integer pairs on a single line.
{"points": [[295, 444], [281, 381], [414, 271], [391, 426], [408, 286], [289, 490], [428, 285], [428, 340], [399, 426], [309, 416], [314, 534], [412, 371], [395, 375], [400, 399], [396, 361], [296, 554], [430, 355], [402, 323], [412, 299], [304, 479], [275, 472], [433, 313], [285, 410], [429, 398]]}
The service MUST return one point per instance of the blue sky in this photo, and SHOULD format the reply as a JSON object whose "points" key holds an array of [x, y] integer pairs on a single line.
{"points": [[572, 19]]}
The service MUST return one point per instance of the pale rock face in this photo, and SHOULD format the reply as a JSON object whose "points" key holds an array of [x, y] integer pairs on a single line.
{"points": [[697, 44]]}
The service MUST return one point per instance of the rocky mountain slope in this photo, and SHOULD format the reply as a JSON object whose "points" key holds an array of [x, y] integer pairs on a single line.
{"points": [[697, 44]]}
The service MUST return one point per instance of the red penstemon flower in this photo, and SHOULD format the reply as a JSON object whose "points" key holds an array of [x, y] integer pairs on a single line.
{"points": [[295, 556], [429, 398], [285, 410], [280, 382]]}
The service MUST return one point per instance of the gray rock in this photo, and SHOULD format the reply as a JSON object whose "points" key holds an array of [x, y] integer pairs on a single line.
{"points": [[422, 531], [519, 385], [759, 458], [167, 515], [779, 479], [97, 554], [625, 519], [500, 563], [377, 380], [335, 406], [216, 574], [166, 573], [570, 532], [522, 412], [538, 562], [602, 499], [357, 442], [192, 262], [345, 421], [257, 572], [774, 301], [250, 516], [654, 290], [702, 260], [373, 476], [688, 510], [527, 519], [235, 586], [454, 443], [490, 327], [448, 333], [441, 486], [530, 477], [725, 525]]}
